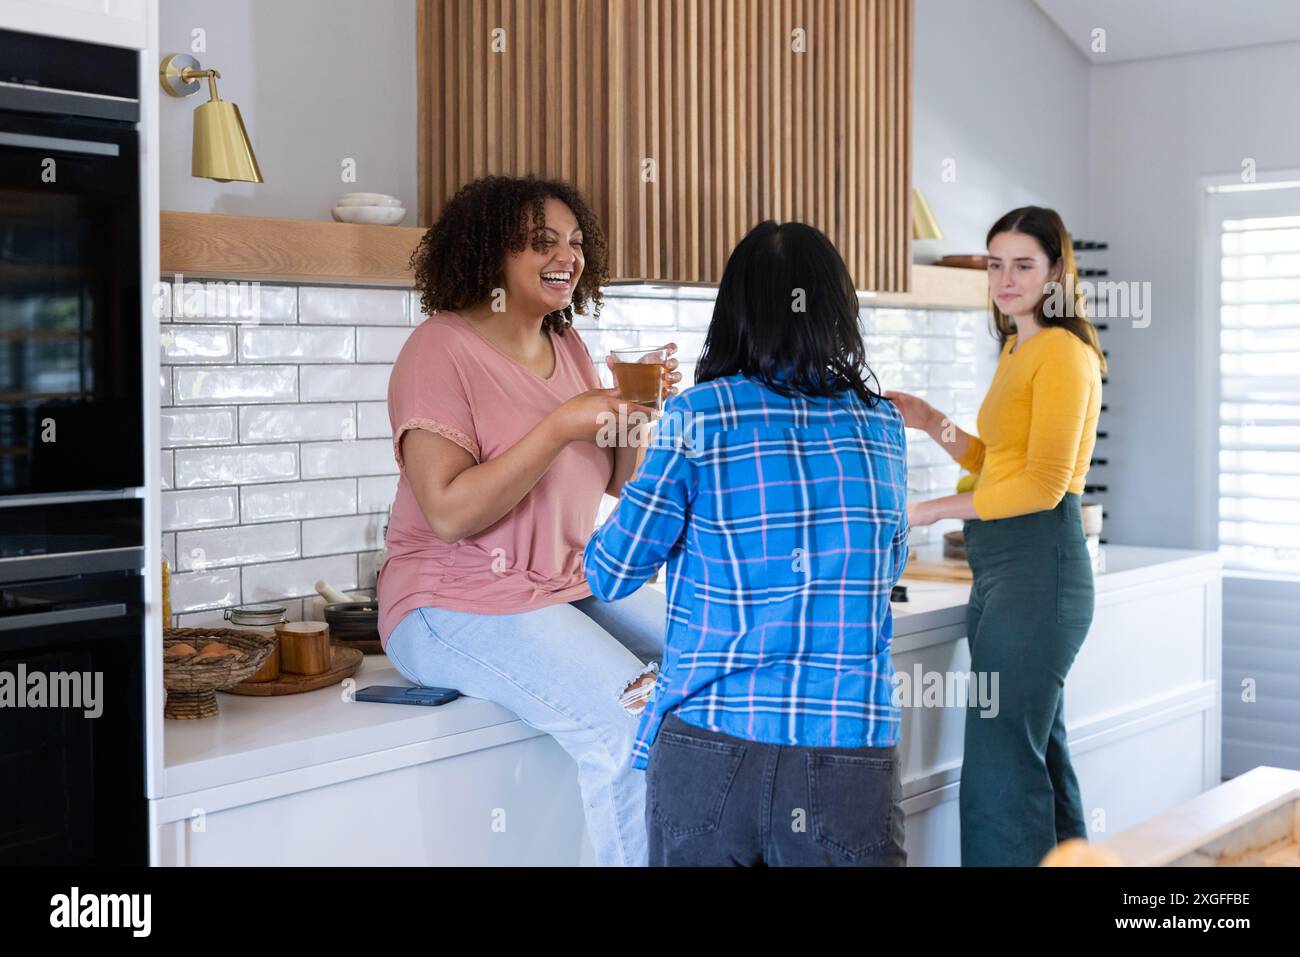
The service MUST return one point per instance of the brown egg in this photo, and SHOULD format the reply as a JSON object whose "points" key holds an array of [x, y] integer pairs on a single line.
{"points": [[178, 650], [216, 648]]}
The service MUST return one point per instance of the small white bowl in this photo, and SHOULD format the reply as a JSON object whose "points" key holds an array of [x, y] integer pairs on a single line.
{"points": [[371, 215], [368, 199]]}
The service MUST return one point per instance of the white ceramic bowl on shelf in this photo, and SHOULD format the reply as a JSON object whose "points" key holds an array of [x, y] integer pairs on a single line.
{"points": [[368, 199], [369, 215]]}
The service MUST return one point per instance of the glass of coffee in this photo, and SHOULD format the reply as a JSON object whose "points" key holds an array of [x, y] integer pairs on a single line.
{"points": [[639, 374]]}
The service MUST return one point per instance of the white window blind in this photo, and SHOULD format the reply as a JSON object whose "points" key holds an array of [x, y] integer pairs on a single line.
{"points": [[1259, 407]]}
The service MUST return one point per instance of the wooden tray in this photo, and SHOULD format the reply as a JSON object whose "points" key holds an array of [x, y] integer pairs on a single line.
{"points": [[345, 662], [948, 570]]}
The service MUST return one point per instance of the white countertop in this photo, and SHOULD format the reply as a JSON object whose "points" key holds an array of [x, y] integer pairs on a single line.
{"points": [[256, 737]]}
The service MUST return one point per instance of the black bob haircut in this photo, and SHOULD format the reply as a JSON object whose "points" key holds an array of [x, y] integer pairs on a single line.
{"points": [[787, 305]]}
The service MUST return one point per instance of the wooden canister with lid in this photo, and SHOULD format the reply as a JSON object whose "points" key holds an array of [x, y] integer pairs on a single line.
{"points": [[304, 647]]}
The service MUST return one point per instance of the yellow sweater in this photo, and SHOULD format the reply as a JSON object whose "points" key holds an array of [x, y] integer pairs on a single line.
{"points": [[1037, 425]]}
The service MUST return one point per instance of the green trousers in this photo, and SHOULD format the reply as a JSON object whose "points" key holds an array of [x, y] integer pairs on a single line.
{"points": [[1030, 607]]}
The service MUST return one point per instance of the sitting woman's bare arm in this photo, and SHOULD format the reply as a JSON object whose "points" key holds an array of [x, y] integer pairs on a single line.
{"points": [[460, 498]]}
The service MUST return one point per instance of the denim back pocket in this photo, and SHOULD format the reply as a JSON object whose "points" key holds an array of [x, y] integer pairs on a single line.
{"points": [[1074, 586], [687, 780], [851, 802]]}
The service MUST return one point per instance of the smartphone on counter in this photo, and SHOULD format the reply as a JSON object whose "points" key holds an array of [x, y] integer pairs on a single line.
{"points": [[389, 694]]}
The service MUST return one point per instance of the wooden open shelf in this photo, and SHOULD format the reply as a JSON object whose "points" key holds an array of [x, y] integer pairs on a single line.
{"points": [[217, 246], [939, 287]]}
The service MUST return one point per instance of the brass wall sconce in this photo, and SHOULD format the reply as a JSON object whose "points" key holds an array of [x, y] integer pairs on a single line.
{"points": [[924, 225], [221, 149]]}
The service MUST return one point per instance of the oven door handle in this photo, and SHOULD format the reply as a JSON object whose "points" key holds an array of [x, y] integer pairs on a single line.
{"points": [[64, 616], [59, 144]]}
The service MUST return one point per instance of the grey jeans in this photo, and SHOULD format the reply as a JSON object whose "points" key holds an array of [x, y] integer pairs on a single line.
{"points": [[714, 800]]}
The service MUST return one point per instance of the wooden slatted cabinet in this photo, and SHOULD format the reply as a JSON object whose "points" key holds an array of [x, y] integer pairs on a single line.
{"points": [[683, 122]]}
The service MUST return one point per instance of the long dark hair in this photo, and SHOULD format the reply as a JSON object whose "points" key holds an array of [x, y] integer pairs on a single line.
{"points": [[1046, 226], [461, 258], [786, 305]]}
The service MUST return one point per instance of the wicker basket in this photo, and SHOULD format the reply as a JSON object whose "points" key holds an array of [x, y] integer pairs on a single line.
{"points": [[192, 681]]}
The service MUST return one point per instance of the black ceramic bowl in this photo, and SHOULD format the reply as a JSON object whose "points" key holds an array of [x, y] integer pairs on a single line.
{"points": [[353, 620]]}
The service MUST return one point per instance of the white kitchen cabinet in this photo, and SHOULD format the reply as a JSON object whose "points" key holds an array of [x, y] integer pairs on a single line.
{"points": [[315, 779]]}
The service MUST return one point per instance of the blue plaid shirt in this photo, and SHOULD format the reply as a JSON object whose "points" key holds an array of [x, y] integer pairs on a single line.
{"points": [[783, 522]]}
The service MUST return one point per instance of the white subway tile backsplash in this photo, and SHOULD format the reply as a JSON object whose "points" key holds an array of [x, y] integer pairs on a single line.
{"points": [[189, 344], [942, 399], [169, 549], [619, 313], [197, 386], [167, 465], [199, 508], [332, 536], [199, 619], [376, 493], [958, 324], [897, 322], [335, 383], [915, 350], [297, 578], [689, 345], [240, 545], [380, 343], [297, 500], [191, 591], [939, 350], [197, 426], [353, 307], [358, 457], [372, 421], [695, 314], [299, 423], [165, 386], [881, 349], [944, 478], [297, 343], [240, 302], [236, 465], [953, 375]]}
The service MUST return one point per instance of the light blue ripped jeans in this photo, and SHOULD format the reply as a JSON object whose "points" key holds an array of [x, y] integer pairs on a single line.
{"points": [[561, 669]]}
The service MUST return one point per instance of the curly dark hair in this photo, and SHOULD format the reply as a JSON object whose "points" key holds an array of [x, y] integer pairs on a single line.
{"points": [[461, 258]]}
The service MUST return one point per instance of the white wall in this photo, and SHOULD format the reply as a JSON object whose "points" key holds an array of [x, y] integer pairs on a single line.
{"points": [[1003, 93], [1157, 126], [316, 81]]}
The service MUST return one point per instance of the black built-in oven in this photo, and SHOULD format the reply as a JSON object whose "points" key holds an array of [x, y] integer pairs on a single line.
{"points": [[72, 613], [71, 389], [72, 736]]}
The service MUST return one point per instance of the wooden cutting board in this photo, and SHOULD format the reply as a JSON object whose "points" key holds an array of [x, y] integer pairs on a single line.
{"points": [[939, 570]]}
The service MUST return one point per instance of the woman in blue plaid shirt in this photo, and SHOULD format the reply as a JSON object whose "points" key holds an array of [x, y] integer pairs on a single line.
{"points": [[775, 491]]}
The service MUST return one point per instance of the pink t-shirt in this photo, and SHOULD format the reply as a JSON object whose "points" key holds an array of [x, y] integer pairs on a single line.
{"points": [[451, 381]]}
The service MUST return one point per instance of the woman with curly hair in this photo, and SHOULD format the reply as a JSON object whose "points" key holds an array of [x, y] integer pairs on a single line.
{"points": [[498, 423]]}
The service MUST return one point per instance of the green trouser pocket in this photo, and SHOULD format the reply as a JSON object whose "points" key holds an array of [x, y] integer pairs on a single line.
{"points": [[1074, 586]]}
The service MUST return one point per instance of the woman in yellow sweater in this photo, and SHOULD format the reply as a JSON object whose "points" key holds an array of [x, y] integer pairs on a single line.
{"points": [[1032, 597]]}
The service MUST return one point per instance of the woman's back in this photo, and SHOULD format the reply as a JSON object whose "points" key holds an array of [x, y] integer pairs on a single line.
{"points": [[789, 517]]}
